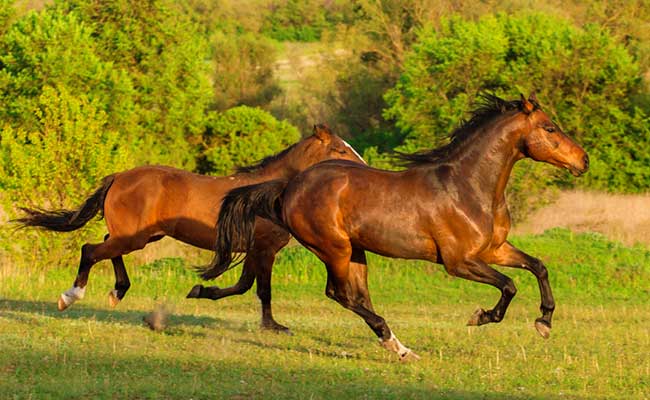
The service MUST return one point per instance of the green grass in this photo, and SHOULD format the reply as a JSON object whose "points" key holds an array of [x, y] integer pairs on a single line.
{"points": [[598, 348]]}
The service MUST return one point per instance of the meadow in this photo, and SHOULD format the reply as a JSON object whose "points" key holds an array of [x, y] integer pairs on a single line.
{"points": [[213, 350]]}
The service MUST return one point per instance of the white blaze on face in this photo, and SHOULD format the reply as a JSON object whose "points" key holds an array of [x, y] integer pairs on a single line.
{"points": [[354, 151]]}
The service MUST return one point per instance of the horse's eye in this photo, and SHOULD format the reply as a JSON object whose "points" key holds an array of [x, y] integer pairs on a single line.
{"points": [[549, 129]]}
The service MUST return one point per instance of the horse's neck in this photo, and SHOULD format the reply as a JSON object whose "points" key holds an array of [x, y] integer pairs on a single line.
{"points": [[487, 161], [278, 169]]}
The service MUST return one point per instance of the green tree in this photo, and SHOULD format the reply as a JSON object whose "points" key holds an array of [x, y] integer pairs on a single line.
{"points": [[58, 49], [57, 165], [242, 135], [147, 61], [243, 69], [584, 77]]}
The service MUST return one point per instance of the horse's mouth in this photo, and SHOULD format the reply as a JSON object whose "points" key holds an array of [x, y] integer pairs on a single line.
{"points": [[575, 171]]}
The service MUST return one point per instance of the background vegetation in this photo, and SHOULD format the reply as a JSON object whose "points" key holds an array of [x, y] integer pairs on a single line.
{"points": [[89, 88], [386, 74]]}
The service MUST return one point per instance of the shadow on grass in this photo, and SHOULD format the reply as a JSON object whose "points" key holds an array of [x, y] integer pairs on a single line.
{"points": [[38, 374], [130, 317]]}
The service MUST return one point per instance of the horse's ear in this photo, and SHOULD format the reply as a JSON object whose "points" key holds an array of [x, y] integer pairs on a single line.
{"points": [[323, 133], [533, 98], [526, 105]]}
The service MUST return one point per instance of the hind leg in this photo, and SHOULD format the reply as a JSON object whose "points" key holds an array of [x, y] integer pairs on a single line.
{"points": [[90, 255], [244, 283], [347, 285], [264, 267], [122, 282]]}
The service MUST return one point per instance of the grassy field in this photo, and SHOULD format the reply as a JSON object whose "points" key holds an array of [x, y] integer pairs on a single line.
{"points": [[598, 349]]}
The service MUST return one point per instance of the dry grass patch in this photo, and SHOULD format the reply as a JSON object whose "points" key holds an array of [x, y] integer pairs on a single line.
{"points": [[620, 217]]}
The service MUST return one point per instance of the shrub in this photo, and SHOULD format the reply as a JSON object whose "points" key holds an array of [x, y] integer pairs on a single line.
{"points": [[241, 136], [243, 69], [584, 78], [57, 165]]}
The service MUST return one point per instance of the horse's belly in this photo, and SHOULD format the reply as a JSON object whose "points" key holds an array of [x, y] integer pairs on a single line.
{"points": [[195, 233], [398, 245]]}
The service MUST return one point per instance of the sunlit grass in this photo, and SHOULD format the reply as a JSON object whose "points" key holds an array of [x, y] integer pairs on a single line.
{"points": [[598, 347]]}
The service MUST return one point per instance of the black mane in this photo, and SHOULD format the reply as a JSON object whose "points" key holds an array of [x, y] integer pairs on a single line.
{"points": [[265, 161], [488, 107]]}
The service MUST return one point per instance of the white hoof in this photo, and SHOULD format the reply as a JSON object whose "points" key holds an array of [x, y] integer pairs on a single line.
{"points": [[393, 344], [70, 296]]}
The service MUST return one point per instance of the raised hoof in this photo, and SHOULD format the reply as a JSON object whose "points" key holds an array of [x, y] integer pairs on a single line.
{"points": [[195, 293], [409, 357], [277, 328], [543, 328], [113, 300], [475, 319], [61, 304]]}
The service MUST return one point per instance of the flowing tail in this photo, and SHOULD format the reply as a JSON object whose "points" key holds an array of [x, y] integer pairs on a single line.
{"points": [[236, 226], [68, 220]]}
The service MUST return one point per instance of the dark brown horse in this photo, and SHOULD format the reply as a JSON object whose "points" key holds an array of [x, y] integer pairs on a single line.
{"points": [[447, 207], [145, 204]]}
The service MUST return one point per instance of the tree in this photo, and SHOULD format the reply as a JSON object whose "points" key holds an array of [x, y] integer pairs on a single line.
{"points": [[57, 165], [584, 78], [241, 136]]}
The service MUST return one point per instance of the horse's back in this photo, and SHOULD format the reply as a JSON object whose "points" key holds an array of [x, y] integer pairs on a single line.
{"points": [[358, 204], [159, 200]]}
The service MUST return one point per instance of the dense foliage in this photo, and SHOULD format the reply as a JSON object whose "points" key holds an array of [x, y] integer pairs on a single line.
{"points": [[585, 78], [242, 135], [91, 88]]}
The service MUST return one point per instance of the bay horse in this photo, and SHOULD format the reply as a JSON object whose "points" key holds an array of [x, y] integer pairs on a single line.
{"points": [[448, 207], [144, 204]]}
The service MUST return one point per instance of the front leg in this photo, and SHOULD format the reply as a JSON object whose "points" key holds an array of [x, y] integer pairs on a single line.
{"points": [[508, 255], [478, 271]]}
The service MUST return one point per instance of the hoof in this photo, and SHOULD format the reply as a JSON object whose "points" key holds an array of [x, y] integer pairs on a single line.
{"points": [[113, 300], [277, 328], [543, 328], [409, 357], [475, 319], [61, 305], [195, 293]]}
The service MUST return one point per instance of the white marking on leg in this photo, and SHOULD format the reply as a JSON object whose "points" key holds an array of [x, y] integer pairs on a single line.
{"points": [[393, 344], [73, 294], [355, 152]]}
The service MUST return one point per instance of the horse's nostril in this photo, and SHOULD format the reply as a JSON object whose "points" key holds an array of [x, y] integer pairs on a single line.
{"points": [[586, 161]]}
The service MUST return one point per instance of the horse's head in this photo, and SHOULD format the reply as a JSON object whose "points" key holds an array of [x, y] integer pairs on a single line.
{"points": [[324, 145], [544, 141]]}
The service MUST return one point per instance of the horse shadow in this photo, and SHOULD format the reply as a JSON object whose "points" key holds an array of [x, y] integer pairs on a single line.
{"points": [[17, 310]]}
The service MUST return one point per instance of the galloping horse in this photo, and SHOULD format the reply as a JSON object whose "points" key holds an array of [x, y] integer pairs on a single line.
{"points": [[145, 204], [447, 207]]}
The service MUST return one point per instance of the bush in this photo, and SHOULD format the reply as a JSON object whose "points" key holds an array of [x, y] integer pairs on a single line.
{"points": [[584, 78], [143, 63], [57, 165], [242, 135], [243, 69], [304, 20]]}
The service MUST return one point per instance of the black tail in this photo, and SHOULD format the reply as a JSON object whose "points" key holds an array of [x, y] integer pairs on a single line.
{"points": [[68, 220], [236, 225]]}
